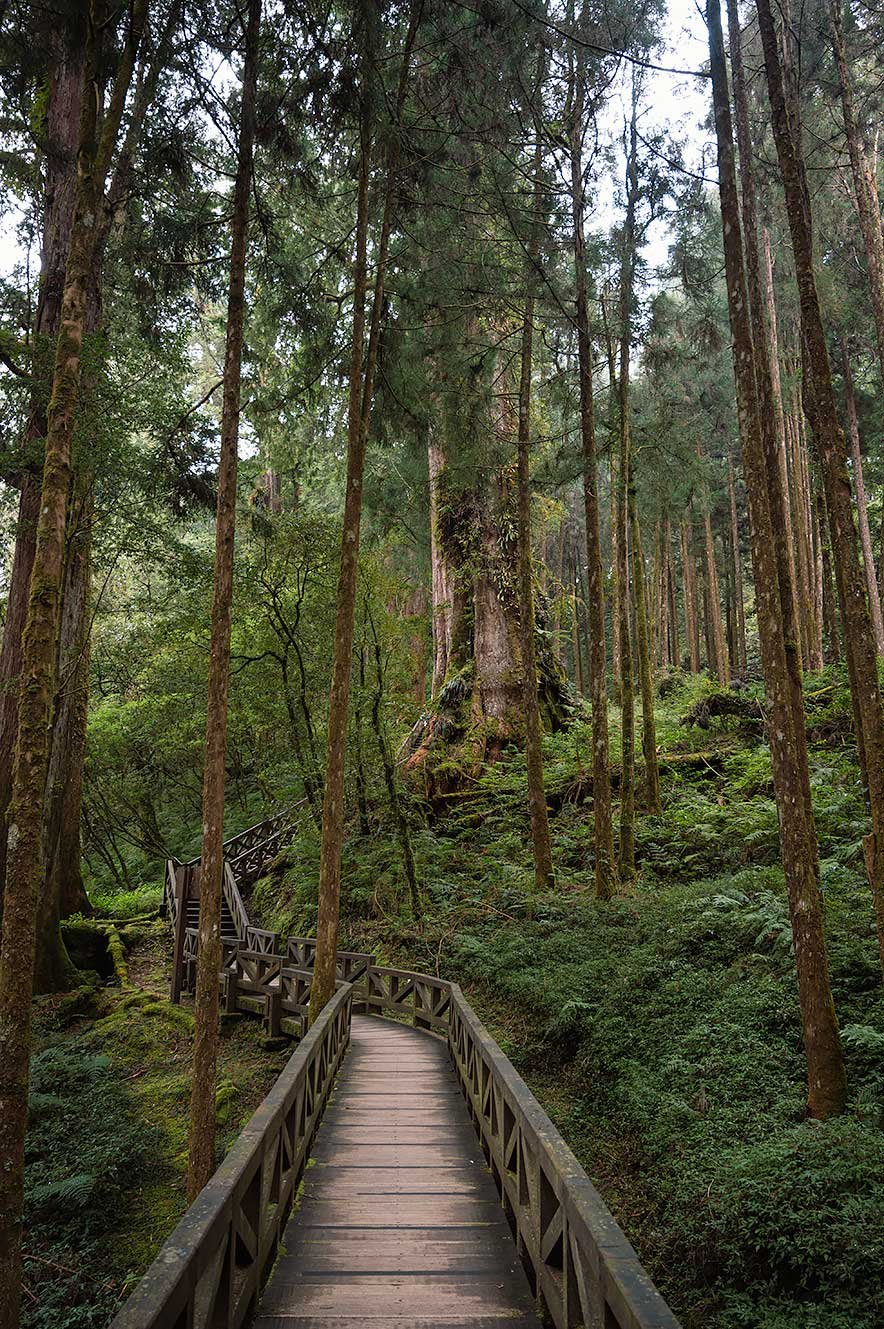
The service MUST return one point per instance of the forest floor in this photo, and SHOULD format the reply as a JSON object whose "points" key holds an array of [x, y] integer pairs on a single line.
{"points": [[107, 1131], [660, 1030]]}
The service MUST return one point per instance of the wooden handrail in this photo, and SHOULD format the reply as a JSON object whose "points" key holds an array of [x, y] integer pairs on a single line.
{"points": [[213, 1266], [577, 1257]]}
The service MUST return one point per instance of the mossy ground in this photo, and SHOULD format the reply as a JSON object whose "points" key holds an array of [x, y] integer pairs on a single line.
{"points": [[107, 1142]]}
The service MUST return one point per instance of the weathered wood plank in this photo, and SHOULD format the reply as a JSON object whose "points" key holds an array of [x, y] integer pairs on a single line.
{"points": [[399, 1222]]}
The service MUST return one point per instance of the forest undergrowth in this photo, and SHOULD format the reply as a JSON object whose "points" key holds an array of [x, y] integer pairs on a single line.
{"points": [[661, 1031], [107, 1129]]}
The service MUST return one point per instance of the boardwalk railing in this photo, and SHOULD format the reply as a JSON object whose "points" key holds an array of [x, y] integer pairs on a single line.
{"points": [[579, 1263], [211, 1270]]}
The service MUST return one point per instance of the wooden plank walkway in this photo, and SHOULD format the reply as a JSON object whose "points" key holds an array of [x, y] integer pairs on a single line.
{"points": [[399, 1222]]}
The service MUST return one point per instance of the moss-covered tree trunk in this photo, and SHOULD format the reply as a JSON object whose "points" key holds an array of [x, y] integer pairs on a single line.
{"points": [[62, 127], [825, 1063], [859, 641], [24, 858], [689, 579]]}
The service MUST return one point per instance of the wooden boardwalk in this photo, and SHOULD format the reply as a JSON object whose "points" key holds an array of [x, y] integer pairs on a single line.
{"points": [[398, 1222]]}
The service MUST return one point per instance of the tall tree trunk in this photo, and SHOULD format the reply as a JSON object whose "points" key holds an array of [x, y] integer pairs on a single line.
{"points": [[575, 636], [63, 891], [62, 127], [766, 404], [361, 392], [865, 187], [691, 624], [862, 506], [718, 661], [645, 672], [771, 349], [605, 869], [859, 642], [540, 836], [826, 1078], [400, 820], [627, 681], [737, 564], [201, 1139], [24, 865]]}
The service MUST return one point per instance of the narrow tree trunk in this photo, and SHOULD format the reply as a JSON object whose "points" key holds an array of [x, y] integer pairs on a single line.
{"points": [[388, 766], [862, 506], [605, 870], [575, 638], [24, 866], [645, 672], [540, 836], [828, 612], [826, 1079], [859, 642], [718, 661], [201, 1139], [691, 625], [361, 391], [865, 186], [737, 563]]}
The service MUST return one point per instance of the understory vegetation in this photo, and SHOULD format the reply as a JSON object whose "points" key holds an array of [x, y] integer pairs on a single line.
{"points": [[661, 1030], [107, 1129]]}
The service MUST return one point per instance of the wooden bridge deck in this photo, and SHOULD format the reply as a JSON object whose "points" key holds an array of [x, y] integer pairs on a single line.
{"points": [[399, 1222]]}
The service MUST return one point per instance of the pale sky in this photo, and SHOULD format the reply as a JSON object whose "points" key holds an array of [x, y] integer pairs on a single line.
{"points": [[680, 104]]}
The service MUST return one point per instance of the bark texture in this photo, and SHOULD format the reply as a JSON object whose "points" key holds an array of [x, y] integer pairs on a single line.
{"points": [[24, 859], [819, 398], [825, 1063], [201, 1138], [606, 878]]}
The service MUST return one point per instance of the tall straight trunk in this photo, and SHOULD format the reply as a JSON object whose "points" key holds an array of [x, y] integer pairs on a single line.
{"points": [[828, 611], [62, 128], [201, 1139], [691, 624], [862, 505], [24, 857], [718, 661], [361, 390], [627, 680], [766, 400], [616, 671], [388, 765], [803, 545], [575, 636], [859, 641], [865, 187], [664, 636], [63, 892], [605, 869], [672, 592], [825, 1063], [645, 672], [737, 565], [540, 836], [801, 589]]}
